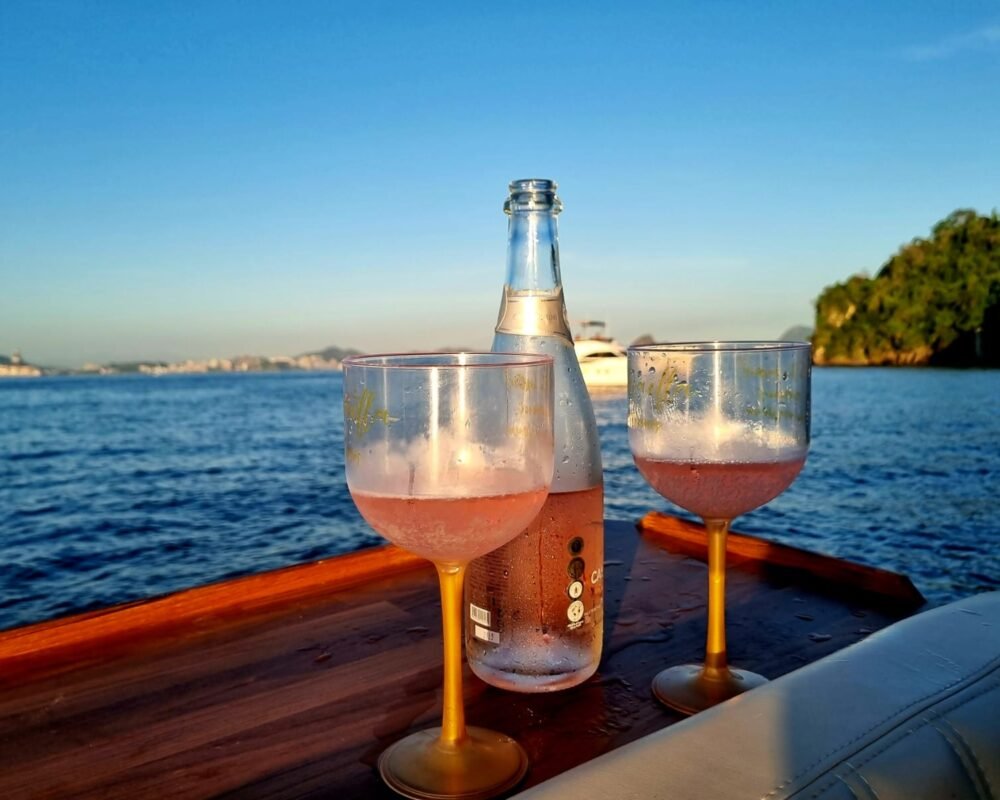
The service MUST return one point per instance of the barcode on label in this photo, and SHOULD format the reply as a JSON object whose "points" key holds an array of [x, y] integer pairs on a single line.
{"points": [[480, 615], [486, 635]]}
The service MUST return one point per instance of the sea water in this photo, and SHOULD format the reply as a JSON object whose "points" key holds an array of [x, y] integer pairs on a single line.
{"points": [[123, 487]]}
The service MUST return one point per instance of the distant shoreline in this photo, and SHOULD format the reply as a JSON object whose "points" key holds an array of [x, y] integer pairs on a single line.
{"points": [[326, 360], [58, 373], [337, 370]]}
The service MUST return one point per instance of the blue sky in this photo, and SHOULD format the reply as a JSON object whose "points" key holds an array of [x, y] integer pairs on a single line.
{"points": [[194, 179]]}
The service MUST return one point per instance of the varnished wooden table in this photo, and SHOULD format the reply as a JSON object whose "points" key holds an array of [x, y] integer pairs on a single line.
{"points": [[289, 684]]}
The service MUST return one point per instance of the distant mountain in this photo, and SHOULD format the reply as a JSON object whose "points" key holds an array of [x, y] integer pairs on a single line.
{"points": [[797, 333], [4, 359], [334, 352]]}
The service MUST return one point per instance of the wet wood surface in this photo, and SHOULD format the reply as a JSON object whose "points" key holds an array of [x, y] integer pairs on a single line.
{"points": [[289, 685]]}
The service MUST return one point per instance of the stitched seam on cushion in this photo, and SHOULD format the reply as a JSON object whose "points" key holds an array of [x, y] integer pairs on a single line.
{"points": [[870, 793], [895, 739], [962, 755], [864, 782], [978, 675], [868, 786], [966, 752]]}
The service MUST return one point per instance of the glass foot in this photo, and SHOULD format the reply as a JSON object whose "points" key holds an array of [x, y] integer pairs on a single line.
{"points": [[691, 688], [423, 767]]}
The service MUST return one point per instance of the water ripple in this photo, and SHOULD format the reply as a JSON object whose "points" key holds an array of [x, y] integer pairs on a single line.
{"points": [[115, 489]]}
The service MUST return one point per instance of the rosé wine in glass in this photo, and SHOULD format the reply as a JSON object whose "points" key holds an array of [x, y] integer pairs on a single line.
{"points": [[719, 490], [450, 456], [445, 529], [719, 428]]}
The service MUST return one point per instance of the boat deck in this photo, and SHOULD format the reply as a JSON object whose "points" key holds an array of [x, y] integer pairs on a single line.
{"points": [[289, 684]]}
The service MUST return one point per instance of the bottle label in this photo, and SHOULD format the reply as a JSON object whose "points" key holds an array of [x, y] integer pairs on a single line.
{"points": [[480, 615], [486, 635], [527, 313]]}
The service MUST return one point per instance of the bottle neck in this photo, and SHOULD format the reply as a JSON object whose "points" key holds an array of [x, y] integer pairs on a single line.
{"points": [[533, 252], [532, 302]]}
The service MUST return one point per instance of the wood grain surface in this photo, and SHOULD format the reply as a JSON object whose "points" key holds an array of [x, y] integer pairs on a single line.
{"points": [[289, 684]]}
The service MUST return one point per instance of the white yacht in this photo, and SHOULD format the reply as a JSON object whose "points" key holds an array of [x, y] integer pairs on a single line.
{"points": [[603, 361]]}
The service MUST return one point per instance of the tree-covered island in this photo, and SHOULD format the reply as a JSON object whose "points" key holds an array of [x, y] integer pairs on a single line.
{"points": [[937, 301]]}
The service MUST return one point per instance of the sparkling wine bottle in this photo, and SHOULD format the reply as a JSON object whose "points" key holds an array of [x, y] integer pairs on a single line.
{"points": [[536, 606]]}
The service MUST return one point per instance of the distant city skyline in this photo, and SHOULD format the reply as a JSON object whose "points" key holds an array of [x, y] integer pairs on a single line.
{"points": [[186, 182]]}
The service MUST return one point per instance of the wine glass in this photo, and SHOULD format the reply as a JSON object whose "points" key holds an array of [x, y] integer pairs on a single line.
{"points": [[719, 428], [449, 456]]}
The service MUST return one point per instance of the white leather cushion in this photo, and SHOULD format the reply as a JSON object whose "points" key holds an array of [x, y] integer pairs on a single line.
{"points": [[911, 712]]}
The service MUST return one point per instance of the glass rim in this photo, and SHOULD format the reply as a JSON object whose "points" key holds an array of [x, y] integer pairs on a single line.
{"points": [[424, 360], [719, 346]]}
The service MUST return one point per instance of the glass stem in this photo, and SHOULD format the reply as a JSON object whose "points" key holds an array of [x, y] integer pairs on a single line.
{"points": [[715, 646], [451, 578]]}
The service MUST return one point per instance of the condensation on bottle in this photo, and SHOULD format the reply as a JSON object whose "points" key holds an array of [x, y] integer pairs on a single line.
{"points": [[535, 607]]}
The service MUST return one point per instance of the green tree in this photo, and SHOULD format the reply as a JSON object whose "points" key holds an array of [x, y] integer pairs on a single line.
{"points": [[922, 300]]}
